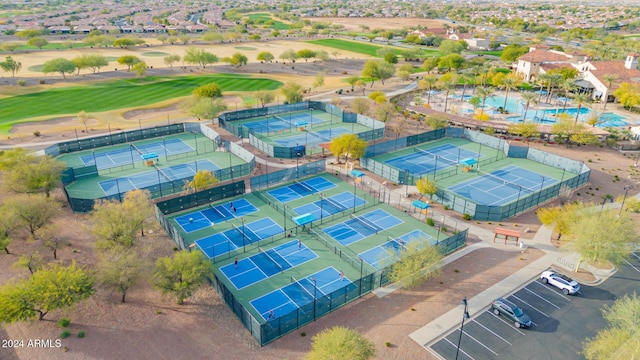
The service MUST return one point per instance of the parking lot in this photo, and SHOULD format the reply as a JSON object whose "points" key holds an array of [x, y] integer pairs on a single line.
{"points": [[560, 323]]}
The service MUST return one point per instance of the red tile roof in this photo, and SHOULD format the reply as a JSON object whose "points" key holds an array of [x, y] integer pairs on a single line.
{"points": [[538, 56]]}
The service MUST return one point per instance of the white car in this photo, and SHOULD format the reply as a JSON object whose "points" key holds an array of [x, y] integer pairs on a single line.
{"points": [[562, 282]]}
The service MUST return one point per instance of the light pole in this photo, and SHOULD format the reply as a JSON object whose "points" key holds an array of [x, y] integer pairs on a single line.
{"points": [[297, 160], [244, 244], [406, 180], [230, 167], [284, 212], [315, 288], [321, 212], [354, 194], [626, 189], [465, 315]]}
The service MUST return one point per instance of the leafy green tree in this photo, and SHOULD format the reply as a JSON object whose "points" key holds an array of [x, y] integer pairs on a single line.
{"points": [[292, 92], [602, 236], [426, 186], [171, 59], [50, 288], [209, 91], [512, 52], [58, 65], [452, 46], [32, 262], [112, 225], [11, 65], [430, 64], [559, 217], [90, 61], [140, 68], [508, 83], [128, 60], [352, 80], [621, 338], [29, 33], [483, 93], [199, 57], [289, 54], [318, 81], [416, 264], [265, 56], [628, 95], [347, 145], [238, 59], [9, 46], [124, 43], [322, 55], [182, 274], [203, 108], [52, 239], [306, 54], [120, 270], [38, 42], [31, 212], [360, 105], [378, 70], [202, 180], [385, 111], [264, 97], [452, 61], [340, 343], [362, 85], [139, 207], [526, 129], [213, 37], [437, 122], [31, 174], [428, 83]]}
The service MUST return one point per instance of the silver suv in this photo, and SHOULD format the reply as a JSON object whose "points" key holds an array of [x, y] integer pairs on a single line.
{"points": [[505, 307], [562, 282]]}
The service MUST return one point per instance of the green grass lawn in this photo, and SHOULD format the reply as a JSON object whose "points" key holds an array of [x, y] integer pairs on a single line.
{"points": [[117, 94], [275, 24], [35, 68], [353, 46], [493, 52], [155, 54]]}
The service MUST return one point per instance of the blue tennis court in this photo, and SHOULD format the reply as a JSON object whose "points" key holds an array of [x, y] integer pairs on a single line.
{"points": [[330, 205], [502, 186], [360, 227], [150, 178], [238, 236], [299, 293], [215, 214], [112, 158], [388, 253], [423, 162], [312, 138], [267, 263], [278, 123], [301, 189]]}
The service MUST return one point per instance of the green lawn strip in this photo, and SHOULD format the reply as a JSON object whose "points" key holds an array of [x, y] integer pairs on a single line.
{"points": [[106, 96], [155, 54], [353, 46], [275, 24]]}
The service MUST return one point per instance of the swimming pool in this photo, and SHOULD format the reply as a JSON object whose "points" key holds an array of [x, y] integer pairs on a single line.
{"points": [[610, 119], [548, 117]]}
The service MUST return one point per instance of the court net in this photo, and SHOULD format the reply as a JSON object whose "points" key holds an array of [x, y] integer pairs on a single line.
{"points": [[162, 173], [276, 117], [435, 156], [136, 148], [336, 204], [215, 208], [366, 223], [266, 254], [242, 233], [306, 187], [505, 182], [293, 280], [323, 138]]}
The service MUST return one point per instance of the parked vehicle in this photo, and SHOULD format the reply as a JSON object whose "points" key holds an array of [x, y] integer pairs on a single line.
{"points": [[510, 310], [562, 282]]}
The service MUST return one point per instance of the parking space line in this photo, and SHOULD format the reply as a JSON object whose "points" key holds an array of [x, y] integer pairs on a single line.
{"points": [[634, 254], [481, 344], [462, 351], [552, 304], [509, 324], [533, 307], [634, 268], [551, 290], [491, 331]]}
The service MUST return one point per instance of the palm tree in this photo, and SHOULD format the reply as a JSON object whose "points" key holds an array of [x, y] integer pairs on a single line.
{"points": [[580, 99], [542, 81], [609, 78], [448, 85], [529, 97], [552, 82], [569, 85], [508, 83], [428, 82], [484, 92]]}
